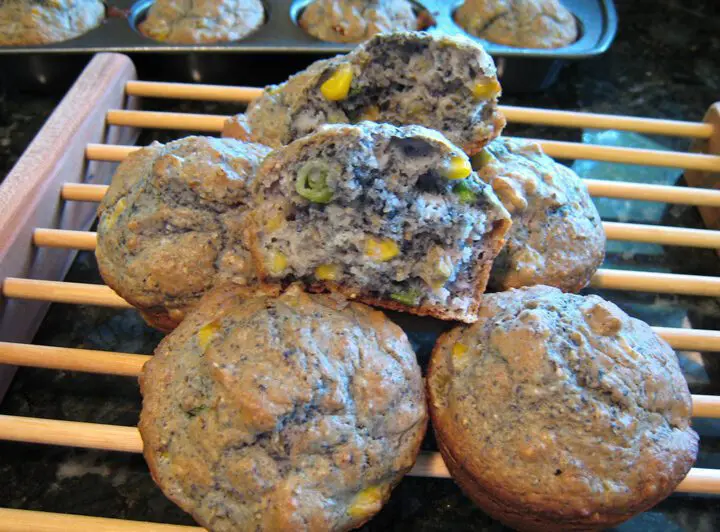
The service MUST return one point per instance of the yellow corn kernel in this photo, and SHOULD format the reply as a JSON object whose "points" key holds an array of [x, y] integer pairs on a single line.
{"points": [[486, 90], [458, 168], [275, 222], [112, 217], [54, 3], [366, 502], [278, 263], [327, 272], [337, 86], [206, 333], [443, 271], [381, 250], [459, 351], [35, 10]]}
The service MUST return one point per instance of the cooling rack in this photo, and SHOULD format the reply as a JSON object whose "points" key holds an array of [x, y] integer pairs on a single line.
{"points": [[49, 200]]}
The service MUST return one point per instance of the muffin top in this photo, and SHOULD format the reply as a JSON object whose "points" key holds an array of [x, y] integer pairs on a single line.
{"points": [[32, 22], [171, 223], [557, 237], [202, 21], [356, 20], [519, 23], [297, 412], [563, 403]]}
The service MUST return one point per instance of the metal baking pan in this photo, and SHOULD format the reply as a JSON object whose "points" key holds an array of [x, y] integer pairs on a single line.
{"points": [[521, 69]]}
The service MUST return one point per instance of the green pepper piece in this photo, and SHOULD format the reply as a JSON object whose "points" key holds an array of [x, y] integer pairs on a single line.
{"points": [[411, 297], [311, 182], [464, 193]]}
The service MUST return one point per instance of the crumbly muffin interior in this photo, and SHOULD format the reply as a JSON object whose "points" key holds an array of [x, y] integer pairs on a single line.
{"points": [[392, 225], [299, 412]]}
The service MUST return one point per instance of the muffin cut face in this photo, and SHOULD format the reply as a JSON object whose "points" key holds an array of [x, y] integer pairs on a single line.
{"points": [[557, 237], [173, 224], [33, 22], [392, 216], [297, 412], [404, 78], [519, 23], [560, 412], [356, 20], [202, 21]]}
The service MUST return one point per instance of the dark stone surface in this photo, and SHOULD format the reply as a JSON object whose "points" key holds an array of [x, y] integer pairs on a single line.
{"points": [[664, 63]]}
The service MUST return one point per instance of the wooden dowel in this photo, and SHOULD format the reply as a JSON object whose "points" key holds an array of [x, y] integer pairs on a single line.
{"points": [[661, 283], [522, 115], [706, 406], [690, 339], [127, 439], [653, 234], [663, 235], [662, 193], [83, 192], [163, 120], [27, 520], [192, 91], [597, 188], [108, 152], [61, 292], [69, 359], [554, 148], [61, 238], [70, 433], [644, 157], [90, 294]]}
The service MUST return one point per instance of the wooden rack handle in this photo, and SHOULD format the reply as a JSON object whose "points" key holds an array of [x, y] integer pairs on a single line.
{"points": [[127, 439], [596, 187], [522, 115], [62, 292]]}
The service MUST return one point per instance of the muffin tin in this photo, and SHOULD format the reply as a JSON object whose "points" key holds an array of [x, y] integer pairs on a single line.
{"points": [[521, 69]]}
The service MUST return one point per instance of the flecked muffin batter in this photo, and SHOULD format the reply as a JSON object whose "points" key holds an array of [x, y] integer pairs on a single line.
{"points": [[356, 20], [29, 22], [202, 21], [171, 224], [300, 412], [560, 412], [519, 23], [391, 215], [445, 83], [557, 237]]}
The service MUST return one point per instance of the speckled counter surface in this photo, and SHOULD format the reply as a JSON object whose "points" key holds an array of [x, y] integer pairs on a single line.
{"points": [[664, 63]]}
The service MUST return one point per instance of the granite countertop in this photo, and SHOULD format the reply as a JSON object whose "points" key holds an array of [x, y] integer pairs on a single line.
{"points": [[664, 63]]}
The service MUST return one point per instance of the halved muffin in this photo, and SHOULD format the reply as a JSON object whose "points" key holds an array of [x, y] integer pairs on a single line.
{"points": [[403, 78], [393, 216]]}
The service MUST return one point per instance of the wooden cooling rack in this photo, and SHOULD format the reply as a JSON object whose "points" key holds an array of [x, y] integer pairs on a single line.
{"points": [[48, 202]]}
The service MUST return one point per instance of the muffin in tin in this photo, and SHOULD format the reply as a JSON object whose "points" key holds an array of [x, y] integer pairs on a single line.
{"points": [[295, 412], [560, 412], [557, 237], [403, 78], [519, 23], [33, 22], [393, 216], [172, 224], [202, 21], [356, 20]]}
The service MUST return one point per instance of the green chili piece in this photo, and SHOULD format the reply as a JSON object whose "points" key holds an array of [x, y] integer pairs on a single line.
{"points": [[464, 193], [311, 182], [411, 297]]}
